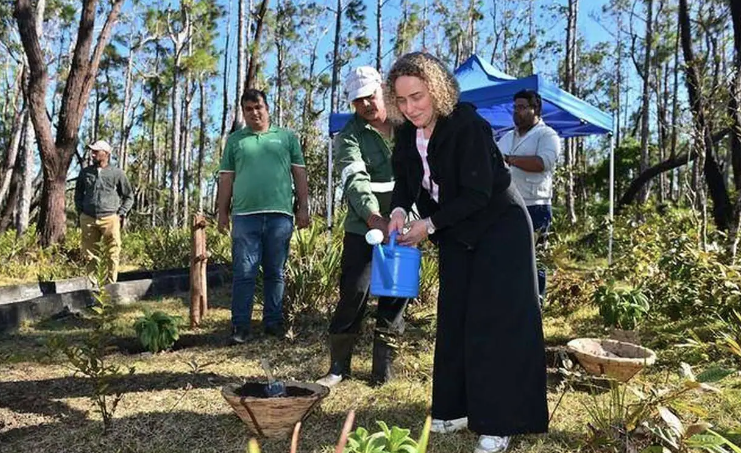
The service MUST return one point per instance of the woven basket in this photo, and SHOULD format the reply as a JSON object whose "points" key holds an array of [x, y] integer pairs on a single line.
{"points": [[614, 359], [273, 417]]}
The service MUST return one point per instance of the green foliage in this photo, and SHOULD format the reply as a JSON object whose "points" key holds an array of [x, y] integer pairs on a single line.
{"points": [[166, 248], [22, 257], [361, 441], [662, 252], [312, 270], [621, 307], [157, 331], [388, 440], [89, 357], [632, 418], [428, 278], [729, 335]]}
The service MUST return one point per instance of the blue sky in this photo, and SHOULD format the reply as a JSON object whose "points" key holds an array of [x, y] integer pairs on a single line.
{"points": [[592, 31]]}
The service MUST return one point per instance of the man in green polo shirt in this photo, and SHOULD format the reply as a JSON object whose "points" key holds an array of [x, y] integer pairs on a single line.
{"points": [[260, 166], [363, 158]]}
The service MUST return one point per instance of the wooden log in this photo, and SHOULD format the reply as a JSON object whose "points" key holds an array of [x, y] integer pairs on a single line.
{"points": [[198, 270]]}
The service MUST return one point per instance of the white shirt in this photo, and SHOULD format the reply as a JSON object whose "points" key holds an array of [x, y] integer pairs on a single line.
{"points": [[542, 141], [427, 182]]}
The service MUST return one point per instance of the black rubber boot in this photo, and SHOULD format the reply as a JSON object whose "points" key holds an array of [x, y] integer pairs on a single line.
{"points": [[340, 350], [384, 351]]}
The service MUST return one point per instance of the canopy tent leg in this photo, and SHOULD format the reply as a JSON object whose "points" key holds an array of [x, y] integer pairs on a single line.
{"points": [[612, 197], [330, 192]]}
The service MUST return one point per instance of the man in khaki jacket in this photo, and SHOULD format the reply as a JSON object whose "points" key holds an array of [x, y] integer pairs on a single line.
{"points": [[103, 198]]}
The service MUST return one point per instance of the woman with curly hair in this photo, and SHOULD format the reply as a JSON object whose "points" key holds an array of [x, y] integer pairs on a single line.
{"points": [[489, 372]]}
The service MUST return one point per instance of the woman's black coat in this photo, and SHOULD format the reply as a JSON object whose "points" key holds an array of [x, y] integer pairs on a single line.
{"points": [[473, 185]]}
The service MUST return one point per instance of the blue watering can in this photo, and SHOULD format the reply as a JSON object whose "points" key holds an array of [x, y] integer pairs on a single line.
{"points": [[394, 268]]}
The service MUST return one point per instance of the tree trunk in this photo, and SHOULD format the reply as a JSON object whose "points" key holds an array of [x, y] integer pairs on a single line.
{"points": [[379, 34], [175, 148], [254, 60], [334, 97], [153, 192], [243, 30], [179, 40], [225, 93], [187, 138], [25, 193], [736, 121], [8, 168], [570, 82], [675, 183], [123, 133], [279, 37], [187, 148], [8, 211], [721, 203], [56, 155], [645, 158], [201, 142]]}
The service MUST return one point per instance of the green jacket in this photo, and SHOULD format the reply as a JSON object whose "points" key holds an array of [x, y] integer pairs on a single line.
{"points": [[363, 161], [101, 192]]}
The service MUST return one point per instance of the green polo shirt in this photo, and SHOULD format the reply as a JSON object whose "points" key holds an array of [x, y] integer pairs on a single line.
{"points": [[261, 163]]}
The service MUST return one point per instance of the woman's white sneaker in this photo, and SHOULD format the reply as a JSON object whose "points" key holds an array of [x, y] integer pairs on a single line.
{"points": [[448, 426], [330, 380], [491, 444]]}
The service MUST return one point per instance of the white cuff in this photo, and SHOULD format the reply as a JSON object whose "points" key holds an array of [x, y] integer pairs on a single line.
{"points": [[399, 209]]}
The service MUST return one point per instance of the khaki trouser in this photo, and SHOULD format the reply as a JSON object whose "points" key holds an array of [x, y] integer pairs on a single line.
{"points": [[105, 231]]}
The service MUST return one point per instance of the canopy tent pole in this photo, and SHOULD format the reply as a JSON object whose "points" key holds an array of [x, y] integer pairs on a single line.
{"points": [[330, 192], [612, 197]]}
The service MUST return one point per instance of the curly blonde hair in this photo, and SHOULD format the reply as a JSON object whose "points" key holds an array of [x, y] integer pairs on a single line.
{"points": [[441, 83]]}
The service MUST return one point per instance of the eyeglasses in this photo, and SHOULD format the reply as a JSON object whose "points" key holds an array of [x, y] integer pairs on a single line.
{"points": [[521, 107]]}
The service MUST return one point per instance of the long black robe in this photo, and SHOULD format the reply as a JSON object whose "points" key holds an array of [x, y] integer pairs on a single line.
{"points": [[489, 353]]}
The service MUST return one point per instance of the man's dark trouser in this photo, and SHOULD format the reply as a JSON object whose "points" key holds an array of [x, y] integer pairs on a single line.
{"points": [[541, 216], [348, 316]]}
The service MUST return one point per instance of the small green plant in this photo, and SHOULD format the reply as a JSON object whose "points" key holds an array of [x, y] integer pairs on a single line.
{"points": [[388, 440], [394, 440], [157, 331], [619, 307], [89, 358]]}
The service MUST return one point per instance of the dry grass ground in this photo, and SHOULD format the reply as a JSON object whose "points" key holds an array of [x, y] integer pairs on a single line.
{"points": [[172, 403]]}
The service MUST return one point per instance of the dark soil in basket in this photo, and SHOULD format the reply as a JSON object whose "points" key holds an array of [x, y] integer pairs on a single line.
{"points": [[257, 390]]}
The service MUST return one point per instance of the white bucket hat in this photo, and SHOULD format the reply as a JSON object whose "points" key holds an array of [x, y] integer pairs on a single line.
{"points": [[362, 82]]}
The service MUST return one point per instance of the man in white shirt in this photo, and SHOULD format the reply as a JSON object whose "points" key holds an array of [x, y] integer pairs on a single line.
{"points": [[531, 149]]}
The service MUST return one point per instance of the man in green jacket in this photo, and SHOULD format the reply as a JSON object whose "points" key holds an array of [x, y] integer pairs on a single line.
{"points": [[363, 158], [103, 198]]}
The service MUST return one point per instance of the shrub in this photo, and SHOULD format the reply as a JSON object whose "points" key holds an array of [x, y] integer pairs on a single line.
{"points": [[157, 331], [312, 270], [621, 307]]}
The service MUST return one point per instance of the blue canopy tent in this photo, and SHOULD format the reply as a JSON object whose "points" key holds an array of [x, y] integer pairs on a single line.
{"points": [[492, 92]]}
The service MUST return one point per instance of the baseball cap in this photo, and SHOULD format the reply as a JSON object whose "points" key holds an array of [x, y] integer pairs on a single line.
{"points": [[361, 82], [101, 145]]}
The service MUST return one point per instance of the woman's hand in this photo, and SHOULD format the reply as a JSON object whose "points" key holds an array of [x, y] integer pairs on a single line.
{"points": [[416, 234], [398, 219]]}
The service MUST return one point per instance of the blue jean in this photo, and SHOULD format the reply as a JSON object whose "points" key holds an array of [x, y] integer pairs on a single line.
{"points": [[259, 239], [541, 216]]}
